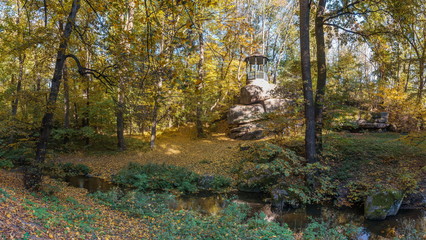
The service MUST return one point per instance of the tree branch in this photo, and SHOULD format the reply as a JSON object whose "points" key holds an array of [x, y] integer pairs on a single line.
{"points": [[100, 75]]}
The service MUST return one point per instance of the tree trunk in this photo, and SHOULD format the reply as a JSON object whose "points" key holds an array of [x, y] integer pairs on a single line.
{"points": [[322, 74], [307, 82], [33, 174], [421, 80], [154, 123], [408, 76], [86, 113], [120, 117], [15, 101], [199, 86], [66, 101]]}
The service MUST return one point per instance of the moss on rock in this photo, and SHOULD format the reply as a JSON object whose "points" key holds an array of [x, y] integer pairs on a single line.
{"points": [[379, 205]]}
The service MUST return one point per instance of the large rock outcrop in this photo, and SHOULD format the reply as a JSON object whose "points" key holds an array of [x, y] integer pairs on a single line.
{"points": [[240, 114], [256, 99]]}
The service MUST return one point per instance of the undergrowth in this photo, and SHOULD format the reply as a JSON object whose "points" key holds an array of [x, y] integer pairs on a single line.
{"points": [[161, 177], [231, 223]]}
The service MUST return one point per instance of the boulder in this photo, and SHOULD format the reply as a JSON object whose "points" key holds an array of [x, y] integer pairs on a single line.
{"points": [[257, 91], [369, 125], [240, 114], [381, 120], [249, 131], [274, 105], [379, 205]]}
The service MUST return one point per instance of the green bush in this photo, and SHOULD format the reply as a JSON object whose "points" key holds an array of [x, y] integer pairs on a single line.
{"points": [[215, 183], [221, 182], [157, 177], [6, 163], [72, 169], [323, 230], [19, 155], [64, 170], [261, 152]]}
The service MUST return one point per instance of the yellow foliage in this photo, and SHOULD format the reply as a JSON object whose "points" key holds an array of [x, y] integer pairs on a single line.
{"points": [[405, 112]]}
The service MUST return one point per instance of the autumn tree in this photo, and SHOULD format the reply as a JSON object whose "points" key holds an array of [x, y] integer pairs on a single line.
{"points": [[33, 175]]}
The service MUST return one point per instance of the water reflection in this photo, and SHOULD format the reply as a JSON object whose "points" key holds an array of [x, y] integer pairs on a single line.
{"points": [[92, 184]]}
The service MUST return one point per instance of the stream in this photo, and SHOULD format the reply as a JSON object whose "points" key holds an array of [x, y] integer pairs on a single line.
{"points": [[297, 219]]}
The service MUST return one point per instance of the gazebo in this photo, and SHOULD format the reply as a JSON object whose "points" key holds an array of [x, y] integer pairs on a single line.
{"points": [[256, 67]]}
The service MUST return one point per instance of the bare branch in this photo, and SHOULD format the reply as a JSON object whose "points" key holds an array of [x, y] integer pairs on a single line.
{"points": [[100, 75]]}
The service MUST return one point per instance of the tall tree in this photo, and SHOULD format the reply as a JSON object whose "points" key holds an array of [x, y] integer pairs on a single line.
{"points": [[305, 56], [321, 73], [33, 174]]}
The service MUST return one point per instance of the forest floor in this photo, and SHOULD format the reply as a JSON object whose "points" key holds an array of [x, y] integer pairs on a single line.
{"points": [[215, 154], [72, 214], [69, 214]]}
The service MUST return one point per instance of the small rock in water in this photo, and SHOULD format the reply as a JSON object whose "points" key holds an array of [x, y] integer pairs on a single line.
{"points": [[379, 205]]}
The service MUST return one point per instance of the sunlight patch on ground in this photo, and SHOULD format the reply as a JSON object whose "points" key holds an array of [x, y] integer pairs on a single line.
{"points": [[170, 150]]}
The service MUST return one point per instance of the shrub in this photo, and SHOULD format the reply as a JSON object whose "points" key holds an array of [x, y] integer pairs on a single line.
{"points": [[157, 177], [275, 168], [19, 155], [262, 152], [5, 163], [71, 169], [215, 183], [324, 230], [64, 170], [220, 182]]}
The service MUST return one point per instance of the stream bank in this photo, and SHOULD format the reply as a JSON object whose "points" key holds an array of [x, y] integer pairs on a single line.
{"points": [[208, 203]]}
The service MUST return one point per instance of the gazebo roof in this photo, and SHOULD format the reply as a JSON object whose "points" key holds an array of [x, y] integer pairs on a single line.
{"points": [[257, 57]]}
